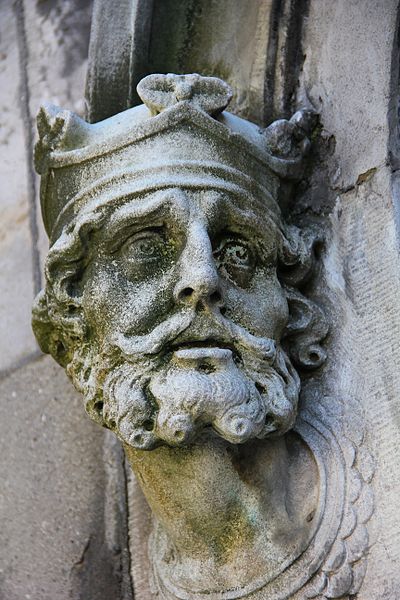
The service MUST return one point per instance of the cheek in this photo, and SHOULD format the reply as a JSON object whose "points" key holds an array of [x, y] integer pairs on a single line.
{"points": [[111, 302], [262, 309]]}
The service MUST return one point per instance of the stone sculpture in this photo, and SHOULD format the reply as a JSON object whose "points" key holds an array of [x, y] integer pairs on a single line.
{"points": [[175, 300]]}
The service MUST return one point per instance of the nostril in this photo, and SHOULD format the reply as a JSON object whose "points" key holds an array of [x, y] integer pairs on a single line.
{"points": [[200, 295], [186, 293], [215, 297]]}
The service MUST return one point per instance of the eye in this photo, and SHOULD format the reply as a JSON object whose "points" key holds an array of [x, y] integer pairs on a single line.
{"points": [[147, 253], [145, 246], [236, 258]]}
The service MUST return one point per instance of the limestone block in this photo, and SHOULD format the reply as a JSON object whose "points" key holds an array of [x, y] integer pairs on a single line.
{"points": [[59, 535], [16, 282], [57, 38], [62, 485], [347, 76], [17, 343], [30, 34], [368, 354]]}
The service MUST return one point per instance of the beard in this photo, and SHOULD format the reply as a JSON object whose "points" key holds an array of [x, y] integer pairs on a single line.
{"points": [[193, 372]]}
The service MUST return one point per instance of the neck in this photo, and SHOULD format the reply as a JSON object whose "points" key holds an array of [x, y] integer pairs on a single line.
{"points": [[225, 515]]}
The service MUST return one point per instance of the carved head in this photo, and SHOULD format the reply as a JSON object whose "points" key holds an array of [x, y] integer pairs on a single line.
{"points": [[172, 281]]}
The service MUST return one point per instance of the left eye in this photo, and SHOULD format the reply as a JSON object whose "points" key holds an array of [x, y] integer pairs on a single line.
{"points": [[236, 253], [237, 259]]}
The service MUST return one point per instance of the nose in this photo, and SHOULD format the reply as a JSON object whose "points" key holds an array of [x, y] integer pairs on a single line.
{"points": [[199, 281]]}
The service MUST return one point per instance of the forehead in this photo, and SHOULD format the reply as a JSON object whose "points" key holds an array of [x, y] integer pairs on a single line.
{"points": [[183, 205]]}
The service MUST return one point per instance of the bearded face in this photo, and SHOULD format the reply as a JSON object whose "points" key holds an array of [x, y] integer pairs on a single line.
{"points": [[186, 314]]}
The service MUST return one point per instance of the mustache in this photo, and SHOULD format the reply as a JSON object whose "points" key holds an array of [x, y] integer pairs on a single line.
{"points": [[190, 326]]}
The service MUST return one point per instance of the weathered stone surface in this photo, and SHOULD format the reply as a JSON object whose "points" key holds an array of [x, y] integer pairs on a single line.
{"points": [[55, 60], [61, 480], [364, 276], [207, 37], [348, 74], [57, 48], [45, 60], [119, 45], [16, 261], [139, 531], [58, 520]]}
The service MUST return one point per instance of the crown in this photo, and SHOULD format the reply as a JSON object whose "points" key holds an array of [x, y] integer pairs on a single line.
{"points": [[180, 136]]}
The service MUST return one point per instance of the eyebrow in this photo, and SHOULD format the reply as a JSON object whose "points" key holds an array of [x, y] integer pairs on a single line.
{"points": [[248, 218], [155, 206]]}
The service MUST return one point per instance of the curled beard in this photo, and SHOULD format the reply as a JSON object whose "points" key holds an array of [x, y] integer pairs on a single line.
{"points": [[151, 394]]}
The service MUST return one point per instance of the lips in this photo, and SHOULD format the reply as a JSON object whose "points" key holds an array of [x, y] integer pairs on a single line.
{"points": [[206, 358], [206, 342], [196, 351]]}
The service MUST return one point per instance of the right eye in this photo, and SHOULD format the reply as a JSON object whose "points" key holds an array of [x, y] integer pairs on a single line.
{"points": [[146, 246], [147, 253]]}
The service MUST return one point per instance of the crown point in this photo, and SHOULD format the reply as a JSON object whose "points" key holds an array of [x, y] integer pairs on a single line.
{"points": [[208, 94]]}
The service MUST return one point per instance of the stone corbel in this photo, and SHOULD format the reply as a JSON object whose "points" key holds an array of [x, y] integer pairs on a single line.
{"points": [[176, 299]]}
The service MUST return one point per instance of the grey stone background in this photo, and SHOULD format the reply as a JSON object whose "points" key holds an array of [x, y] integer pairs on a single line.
{"points": [[59, 487], [63, 496]]}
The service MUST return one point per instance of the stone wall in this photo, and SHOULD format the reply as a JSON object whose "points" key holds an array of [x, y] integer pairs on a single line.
{"points": [[60, 491], [351, 75]]}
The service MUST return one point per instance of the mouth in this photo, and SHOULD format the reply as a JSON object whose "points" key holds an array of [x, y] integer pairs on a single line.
{"points": [[205, 355], [202, 343]]}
